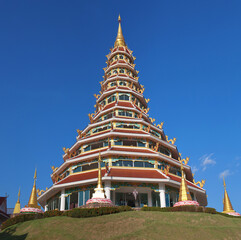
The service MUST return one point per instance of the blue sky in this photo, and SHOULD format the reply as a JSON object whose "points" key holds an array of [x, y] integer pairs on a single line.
{"points": [[51, 59]]}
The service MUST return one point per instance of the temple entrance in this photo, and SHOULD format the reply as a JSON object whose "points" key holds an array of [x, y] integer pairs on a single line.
{"points": [[128, 199]]}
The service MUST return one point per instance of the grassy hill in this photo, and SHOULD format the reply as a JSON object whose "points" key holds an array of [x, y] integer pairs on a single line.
{"points": [[129, 225]]}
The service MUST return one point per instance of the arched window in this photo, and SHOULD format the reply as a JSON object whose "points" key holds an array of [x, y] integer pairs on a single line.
{"points": [[111, 99], [116, 57], [115, 72], [122, 70], [124, 97], [122, 83], [121, 57], [109, 73], [112, 84]]}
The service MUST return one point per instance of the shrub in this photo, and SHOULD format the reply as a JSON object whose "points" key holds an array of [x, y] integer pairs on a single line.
{"points": [[21, 218], [210, 210], [75, 213], [52, 213], [181, 209]]}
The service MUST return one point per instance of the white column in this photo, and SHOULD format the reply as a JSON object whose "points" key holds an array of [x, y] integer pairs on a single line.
{"points": [[195, 198], [149, 199], [162, 194], [107, 189], [62, 200], [46, 208]]}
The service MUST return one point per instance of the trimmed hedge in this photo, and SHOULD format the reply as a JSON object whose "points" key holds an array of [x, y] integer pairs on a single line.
{"points": [[76, 213], [181, 209]]}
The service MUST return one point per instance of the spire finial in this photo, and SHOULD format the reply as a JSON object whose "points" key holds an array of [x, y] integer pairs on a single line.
{"points": [[224, 184], [18, 194], [120, 41], [99, 173]]}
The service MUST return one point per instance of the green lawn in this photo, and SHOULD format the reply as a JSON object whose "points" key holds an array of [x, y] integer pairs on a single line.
{"points": [[130, 225]]}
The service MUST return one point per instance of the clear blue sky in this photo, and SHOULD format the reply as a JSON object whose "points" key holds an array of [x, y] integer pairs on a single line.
{"points": [[51, 59]]}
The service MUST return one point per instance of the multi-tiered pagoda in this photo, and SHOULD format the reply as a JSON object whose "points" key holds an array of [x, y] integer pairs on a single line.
{"points": [[140, 165]]}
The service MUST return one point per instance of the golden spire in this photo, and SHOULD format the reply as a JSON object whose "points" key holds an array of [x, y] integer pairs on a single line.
{"points": [[184, 194], [33, 197], [17, 205], [99, 173], [120, 41], [227, 206]]}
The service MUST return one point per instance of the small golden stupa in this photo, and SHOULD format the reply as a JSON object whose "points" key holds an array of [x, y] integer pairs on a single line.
{"points": [[33, 203], [17, 205], [227, 206], [184, 194], [32, 206]]}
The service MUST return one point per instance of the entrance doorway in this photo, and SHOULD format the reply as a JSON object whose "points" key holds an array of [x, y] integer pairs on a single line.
{"points": [[128, 199]]}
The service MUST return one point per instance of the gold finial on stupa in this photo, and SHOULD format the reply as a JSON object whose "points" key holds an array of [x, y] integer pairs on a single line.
{"points": [[17, 205], [227, 206], [120, 41], [33, 197], [99, 185], [184, 194]]}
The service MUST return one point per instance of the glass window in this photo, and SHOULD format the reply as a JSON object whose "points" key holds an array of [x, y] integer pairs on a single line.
{"points": [[122, 83], [111, 99], [167, 199], [78, 169], [129, 114], [138, 164], [87, 196], [67, 203], [124, 97], [87, 148], [127, 163], [148, 165], [81, 198], [141, 144], [115, 72], [121, 57], [122, 70], [117, 163]]}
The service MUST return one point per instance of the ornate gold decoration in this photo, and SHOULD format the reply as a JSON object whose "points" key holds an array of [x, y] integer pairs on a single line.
{"points": [[66, 151], [160, 125], [140, 115], [134, 58], [137, 71], [96, 96], [40, 192], [172, 141], [152, 119], [79, 132], [147, 100], [155, 148], [148, 128], [201, 184], [166, 170], [184, 160], [227, 206], [91, 117], [54, 168], [145, 110], [120, 41], [136, 78]]}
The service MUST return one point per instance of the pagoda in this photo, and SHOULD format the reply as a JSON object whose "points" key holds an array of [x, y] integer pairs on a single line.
{"points": [[32, 206], [227, 206], [140, 164]]}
